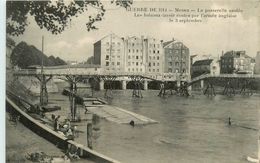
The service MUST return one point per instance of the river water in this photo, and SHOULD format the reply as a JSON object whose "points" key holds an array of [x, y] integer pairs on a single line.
{"points": [[193, 129]]}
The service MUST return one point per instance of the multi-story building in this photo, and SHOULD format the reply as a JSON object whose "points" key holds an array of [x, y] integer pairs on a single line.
{"points": [[135, 54], [109, 53], [154, 55], [206, 66], [257, 63], [236, 62], [177, 57]]}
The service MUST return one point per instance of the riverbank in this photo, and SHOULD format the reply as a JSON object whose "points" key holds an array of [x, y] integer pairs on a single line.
{"points": [[21, 141]]}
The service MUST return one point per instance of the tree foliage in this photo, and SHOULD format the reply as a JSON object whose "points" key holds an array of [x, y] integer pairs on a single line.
{"points": [[53, 15], [25, 55]]}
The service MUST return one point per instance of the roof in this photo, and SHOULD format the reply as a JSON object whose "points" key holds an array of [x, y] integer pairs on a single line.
{"points": [[202, 62], [236, 54], [167, 43]]}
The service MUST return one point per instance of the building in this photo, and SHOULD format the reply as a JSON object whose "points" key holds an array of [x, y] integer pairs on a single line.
{"points": [[135, 54], [109, 53], [236, 62], [154, 55], [177, 57], [257, 63], [206, 66]]}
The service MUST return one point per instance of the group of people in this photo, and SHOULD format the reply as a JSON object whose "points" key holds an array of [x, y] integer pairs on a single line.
{"points": [[65, 127]]}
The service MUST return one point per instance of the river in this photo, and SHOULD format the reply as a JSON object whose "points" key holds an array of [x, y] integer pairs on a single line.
{"points": [[193, 129]]}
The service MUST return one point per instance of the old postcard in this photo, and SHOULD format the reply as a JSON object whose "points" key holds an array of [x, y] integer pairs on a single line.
{"points": [[132, 81]]}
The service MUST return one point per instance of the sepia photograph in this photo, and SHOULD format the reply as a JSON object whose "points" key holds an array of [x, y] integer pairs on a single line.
{"points": [[132, 81]]}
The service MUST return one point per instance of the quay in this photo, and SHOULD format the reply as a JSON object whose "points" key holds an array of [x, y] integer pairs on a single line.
{"points": [[56, 138]]}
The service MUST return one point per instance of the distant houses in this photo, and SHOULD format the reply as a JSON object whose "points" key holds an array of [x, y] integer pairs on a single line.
{"points": [[236, 62], [206, 66]]}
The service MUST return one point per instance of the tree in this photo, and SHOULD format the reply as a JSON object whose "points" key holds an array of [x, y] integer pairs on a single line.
{"points": [[53, 15]]}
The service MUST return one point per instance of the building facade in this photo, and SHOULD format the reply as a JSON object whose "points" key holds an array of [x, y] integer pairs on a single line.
{"points": [[109, 53], [177, 58], [135, 54], [154, 55], [236, 62], [206, 66]]}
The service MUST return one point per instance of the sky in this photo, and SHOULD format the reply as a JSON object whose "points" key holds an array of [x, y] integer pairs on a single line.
{"points": [[212, 36]]}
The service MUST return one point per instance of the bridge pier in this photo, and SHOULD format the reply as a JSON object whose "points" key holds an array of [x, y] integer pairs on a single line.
{"points": [[101, 84], [210, 91], [229, 89], [123, 84], [44, 99], [145, 85], [202, 84]]}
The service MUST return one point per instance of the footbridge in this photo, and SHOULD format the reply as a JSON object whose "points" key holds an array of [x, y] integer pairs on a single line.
{"points": [[232, 83]]}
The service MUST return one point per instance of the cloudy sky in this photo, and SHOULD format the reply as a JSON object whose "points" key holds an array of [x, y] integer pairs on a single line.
{"points": [[209, 37]]}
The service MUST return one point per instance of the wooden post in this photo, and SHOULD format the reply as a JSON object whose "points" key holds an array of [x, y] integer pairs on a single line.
{"points": [[89, 135]]}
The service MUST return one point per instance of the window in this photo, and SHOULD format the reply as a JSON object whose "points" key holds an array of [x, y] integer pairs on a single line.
{"points": [[176, 63], [129, 57], [136, 63], [153, 70], [136, 50], [133, 69], [112, 63], [154, 52], [118, 63], [137, 57], [149, 64], [153, 63], [118, 43], [158, 51], [118, 56], [177, 58], [169, 70], [129, 51], [107, 57], [136, 69], [157, 70], [129, 69], [158, 57], [183, 63], [133, 50], [133, 44], [107, 63], [129, 63], [107, 43], [150, 57], [149, 70], [176, 70], [184, 70], [153, 57], [141, 69], [158, 64], [170, 63]]}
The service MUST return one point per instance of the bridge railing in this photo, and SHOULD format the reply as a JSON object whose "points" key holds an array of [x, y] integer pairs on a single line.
{"points": [[99, 72], [204, 76]]}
